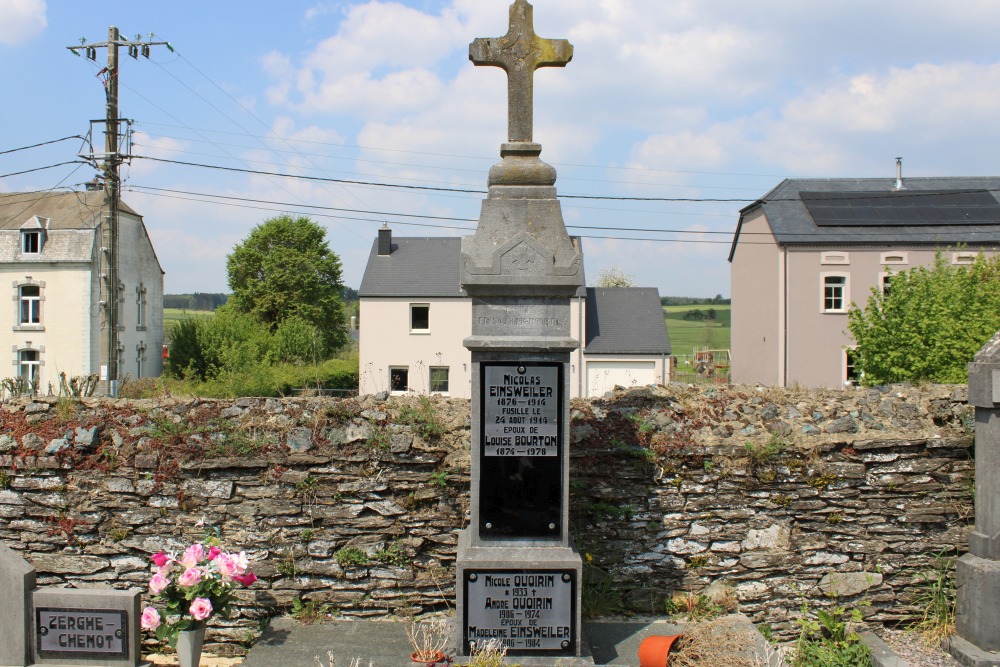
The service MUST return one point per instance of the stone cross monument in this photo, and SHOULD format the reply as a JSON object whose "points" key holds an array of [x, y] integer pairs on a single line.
{"points": [[518, 575], [977, 609]]}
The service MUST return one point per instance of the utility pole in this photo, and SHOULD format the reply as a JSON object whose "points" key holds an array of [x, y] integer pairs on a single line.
{"points": [[111, 160]]}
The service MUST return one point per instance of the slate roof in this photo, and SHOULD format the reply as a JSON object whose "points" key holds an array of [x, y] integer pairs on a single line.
{"points": [[416, 267], [71, 232], [65, 210], [625, 320], [908, 216]]}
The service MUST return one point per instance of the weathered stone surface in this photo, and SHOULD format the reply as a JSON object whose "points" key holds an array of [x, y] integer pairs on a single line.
{"points": [[846, 584], [299, 440], [775, 537], [68, 564]]}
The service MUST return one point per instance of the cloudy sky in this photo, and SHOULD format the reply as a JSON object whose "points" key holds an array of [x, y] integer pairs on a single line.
{"points": [[666, 100]]}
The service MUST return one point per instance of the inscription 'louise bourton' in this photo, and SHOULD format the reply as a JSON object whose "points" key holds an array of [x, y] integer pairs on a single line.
{"points": [[521, 411]]}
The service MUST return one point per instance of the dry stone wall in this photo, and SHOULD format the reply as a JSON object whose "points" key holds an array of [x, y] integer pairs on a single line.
{"points": [[777, 496]]}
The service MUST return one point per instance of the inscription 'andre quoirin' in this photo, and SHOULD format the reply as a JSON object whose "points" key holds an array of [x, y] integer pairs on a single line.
{"points": [[521, 410], [523, 610]]}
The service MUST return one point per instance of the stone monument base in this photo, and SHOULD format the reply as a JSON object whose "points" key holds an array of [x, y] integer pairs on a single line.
{"points": [[525, 594], [977, 614]]}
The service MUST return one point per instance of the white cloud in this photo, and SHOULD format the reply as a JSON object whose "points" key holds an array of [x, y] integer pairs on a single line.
{"points": [[22, 20]]}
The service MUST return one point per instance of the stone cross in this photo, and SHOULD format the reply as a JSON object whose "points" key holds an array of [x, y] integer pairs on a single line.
{"points": [[519, 53]]}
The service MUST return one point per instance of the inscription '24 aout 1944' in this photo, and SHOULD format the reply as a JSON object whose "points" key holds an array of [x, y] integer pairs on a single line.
{"points": [[521, 410]]}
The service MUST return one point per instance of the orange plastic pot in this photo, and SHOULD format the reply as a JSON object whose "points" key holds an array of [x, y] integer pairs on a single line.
{"points": [[654, 650]]}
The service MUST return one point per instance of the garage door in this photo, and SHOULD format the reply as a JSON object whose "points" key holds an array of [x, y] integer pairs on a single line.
{"points": [[602, 376]]}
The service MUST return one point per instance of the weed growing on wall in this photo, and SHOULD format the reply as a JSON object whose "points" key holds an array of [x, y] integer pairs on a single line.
{"points": [[935, 598], [827, 641]]}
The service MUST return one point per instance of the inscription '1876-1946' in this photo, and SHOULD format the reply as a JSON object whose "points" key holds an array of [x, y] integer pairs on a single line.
{"points": [[521, 410]]}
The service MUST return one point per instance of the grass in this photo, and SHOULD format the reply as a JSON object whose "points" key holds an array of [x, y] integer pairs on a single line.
{"points": [[686, 336], [171, 317]]}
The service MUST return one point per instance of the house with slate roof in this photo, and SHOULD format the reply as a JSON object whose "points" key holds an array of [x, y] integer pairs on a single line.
{"points": [[810, 247], [52, 262], [415, 317]]}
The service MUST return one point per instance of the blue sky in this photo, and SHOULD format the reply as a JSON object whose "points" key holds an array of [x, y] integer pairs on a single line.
{"points": [[665, 99]]}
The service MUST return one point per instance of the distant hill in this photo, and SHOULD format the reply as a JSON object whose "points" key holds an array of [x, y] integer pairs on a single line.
{"points": [[196, 301], [716, 300]]}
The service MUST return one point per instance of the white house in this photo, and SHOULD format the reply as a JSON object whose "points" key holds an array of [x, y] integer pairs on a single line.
{"points": [[810, 247], [415, 317], [51, 256]]}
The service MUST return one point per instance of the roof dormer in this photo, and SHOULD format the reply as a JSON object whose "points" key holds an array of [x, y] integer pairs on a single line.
{"points": [[33, 233]]}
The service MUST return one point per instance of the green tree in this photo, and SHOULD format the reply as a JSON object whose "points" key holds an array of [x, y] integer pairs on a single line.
{"points": [[929, 324], [285, 269]]}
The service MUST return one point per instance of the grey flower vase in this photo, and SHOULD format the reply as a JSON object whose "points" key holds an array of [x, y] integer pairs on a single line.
{"points": [[189, 643]]}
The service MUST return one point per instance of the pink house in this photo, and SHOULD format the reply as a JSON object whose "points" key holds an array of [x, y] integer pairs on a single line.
{"points": [[810, 247]]}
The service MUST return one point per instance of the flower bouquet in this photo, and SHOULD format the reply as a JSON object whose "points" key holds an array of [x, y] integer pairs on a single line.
{"points": [[192, 588]]}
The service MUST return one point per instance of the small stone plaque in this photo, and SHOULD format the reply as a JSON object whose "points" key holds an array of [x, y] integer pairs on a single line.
{"points": [[530, 611], [521, 405], [81, 633]]}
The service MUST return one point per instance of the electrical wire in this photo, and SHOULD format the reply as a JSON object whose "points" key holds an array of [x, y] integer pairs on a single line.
{"points": [[51, 166], [44, 143]]}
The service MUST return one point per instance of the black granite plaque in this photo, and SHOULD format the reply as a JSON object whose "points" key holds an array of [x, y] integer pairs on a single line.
{"points": [[521, 450], [81, 633], [529, 611]]}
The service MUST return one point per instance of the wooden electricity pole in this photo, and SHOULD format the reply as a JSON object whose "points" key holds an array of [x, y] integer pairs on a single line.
{"points": [[111, 160]]}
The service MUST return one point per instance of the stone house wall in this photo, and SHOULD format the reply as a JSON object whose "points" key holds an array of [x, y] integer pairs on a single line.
{"points": [[779, 496]]}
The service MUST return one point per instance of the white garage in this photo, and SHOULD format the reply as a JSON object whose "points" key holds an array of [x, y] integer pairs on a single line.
{"points": [[602, 376]]}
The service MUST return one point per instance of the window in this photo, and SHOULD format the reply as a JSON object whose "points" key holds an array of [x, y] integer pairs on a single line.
{"points": [[140, 302], [420, 317], [888, 258], [963, 257], [884, 280], [835, 258], [30, 309], [31, 242], [439, 380], [852, 376], [140, 360], [28, 367], [399, 379], [834, 294]]}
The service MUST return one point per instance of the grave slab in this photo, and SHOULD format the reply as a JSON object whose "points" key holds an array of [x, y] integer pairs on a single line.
{"points": [[17, 581]]}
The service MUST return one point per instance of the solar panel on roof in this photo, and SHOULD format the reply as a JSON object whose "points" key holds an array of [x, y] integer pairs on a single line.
{"points": [[902, 208]]}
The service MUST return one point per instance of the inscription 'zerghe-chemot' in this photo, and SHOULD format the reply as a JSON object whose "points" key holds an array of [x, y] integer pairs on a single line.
{"points": [[521, 411]]}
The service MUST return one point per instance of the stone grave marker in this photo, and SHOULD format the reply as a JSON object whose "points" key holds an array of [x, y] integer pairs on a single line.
{"points": [[977, 609], [64, 626], [518, 576]]}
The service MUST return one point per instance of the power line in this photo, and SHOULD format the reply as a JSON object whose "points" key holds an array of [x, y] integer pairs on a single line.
{"points": [[44, 143], [51, 166]]}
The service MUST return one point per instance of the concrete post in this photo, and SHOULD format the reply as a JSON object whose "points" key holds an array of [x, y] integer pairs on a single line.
{"points": [[977, 613]]}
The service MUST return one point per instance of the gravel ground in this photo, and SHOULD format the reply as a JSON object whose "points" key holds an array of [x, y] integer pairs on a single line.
{"points": [[907, 645]]}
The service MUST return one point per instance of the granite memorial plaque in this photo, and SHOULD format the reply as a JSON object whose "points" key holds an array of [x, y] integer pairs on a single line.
{"points": [[521, 431], [81, 633], [529, 611]]}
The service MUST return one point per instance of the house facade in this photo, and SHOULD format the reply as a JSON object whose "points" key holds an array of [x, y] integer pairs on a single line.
{"points": [[809, 248], [415, 318], [51, 257]]}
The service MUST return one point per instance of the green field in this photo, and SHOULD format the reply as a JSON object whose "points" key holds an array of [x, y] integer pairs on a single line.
{"points": [[686, 336], [171, 316]]}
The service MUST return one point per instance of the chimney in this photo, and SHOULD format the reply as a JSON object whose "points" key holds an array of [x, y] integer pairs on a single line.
{"points": [[899, 174], [384, 241]]}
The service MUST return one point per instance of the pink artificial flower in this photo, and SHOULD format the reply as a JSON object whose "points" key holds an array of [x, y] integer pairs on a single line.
{"points": [[241, 562], [159, 559], [246, 579], [157, 583], [213, 552], [191, 577], [201, 608], [193, 555], [228, 566], [150, 619]]}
